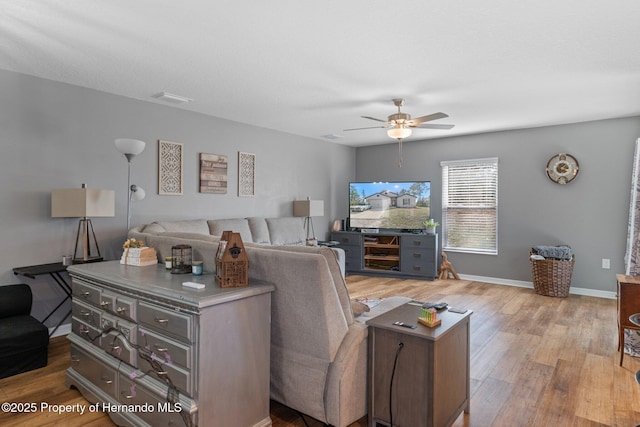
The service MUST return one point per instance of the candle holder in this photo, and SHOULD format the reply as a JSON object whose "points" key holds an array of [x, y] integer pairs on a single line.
{"points": [[181, 255]]}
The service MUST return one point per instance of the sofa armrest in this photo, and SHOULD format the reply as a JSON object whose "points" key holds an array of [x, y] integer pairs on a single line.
{"points": [[15, 300]]}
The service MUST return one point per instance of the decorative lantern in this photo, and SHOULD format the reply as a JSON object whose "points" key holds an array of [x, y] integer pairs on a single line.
{"points": [[181, 255], [232, 264]]}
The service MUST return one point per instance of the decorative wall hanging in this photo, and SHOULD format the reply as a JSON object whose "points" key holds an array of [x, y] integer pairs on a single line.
{"points": [[246, 174], [213, 173], [170, 168]]}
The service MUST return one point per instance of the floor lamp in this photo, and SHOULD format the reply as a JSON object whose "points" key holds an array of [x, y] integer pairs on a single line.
{"points": [[83, 203], [131, 148], [308, 209]]}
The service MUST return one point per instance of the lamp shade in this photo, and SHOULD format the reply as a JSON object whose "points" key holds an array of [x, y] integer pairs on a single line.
{"points": [[308, 208], [399, 132], [137, 193], [130, 146], [82, 202]]}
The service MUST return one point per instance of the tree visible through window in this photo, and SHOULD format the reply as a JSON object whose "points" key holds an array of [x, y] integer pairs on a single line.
{"points": [[470, 205]]}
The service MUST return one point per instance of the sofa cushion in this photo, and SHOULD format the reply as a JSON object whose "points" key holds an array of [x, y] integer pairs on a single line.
{"points": [[237, 225], [187, 226], [259, 230], [287, 231]]}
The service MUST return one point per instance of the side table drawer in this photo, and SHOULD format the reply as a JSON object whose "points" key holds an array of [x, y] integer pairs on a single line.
{"points": [[171, 322]]}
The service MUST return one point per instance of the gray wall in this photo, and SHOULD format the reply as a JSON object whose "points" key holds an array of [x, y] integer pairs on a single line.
{"points": [[590, 214], [60, 136]]}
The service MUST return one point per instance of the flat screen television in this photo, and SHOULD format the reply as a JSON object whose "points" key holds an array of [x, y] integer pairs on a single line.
{"points": [[397, 206]]}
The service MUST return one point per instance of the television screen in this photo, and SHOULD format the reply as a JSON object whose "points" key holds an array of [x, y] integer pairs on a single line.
{"points": [[389, 205]]}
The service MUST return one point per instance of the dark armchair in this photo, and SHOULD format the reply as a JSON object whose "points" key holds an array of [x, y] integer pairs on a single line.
{"points": [[24, 341]]}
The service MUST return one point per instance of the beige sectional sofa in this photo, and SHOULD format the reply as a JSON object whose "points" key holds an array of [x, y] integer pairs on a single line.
{"points": [[318, 348]]}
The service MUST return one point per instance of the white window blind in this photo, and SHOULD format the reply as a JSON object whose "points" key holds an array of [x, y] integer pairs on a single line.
{"points": [[470, 205]]}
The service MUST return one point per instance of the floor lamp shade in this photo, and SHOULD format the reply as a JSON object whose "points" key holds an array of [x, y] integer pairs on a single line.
{"points": [[83, 203]]}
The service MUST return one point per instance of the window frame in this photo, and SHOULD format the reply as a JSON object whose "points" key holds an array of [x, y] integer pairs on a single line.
{"points": [[484, 164]]}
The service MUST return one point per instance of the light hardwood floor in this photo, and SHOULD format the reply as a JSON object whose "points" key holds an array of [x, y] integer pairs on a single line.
{"points": [[535, 361]]}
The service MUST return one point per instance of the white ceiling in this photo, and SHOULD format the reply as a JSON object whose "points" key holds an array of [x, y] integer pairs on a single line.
{"points": [[312, 68]]}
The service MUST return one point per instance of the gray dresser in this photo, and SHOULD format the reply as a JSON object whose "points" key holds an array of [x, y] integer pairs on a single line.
{"points": [[151, 352]]}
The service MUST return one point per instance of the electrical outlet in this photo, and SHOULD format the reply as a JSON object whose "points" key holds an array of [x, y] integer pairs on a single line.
{"points": [[606, 263]]}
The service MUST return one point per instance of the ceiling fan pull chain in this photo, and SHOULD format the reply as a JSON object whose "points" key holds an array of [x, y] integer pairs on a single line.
{"points": [[399, 152]]}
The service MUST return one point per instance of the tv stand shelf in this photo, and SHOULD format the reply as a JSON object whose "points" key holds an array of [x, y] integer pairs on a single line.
{"points": [[411, 255]]}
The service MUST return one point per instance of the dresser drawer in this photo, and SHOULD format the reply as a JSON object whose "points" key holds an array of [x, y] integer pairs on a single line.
{"points": [[86, 313], [163, 414], [119, 347], [162, 371], [86, 292], [85, 331], [166, 349], [158, 318], [120, 305], [93, 370]]}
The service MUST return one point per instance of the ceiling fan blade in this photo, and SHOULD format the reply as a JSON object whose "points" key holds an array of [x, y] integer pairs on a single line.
{"points": [[428, 118], [373, 118], [432, 126], [372, 127]]}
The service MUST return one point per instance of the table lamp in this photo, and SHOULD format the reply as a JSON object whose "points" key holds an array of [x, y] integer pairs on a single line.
{"points": [[308, 209], [83, 203]]}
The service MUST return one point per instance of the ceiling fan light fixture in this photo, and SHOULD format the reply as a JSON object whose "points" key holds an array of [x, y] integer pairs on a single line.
{"points": [[399, 132]]}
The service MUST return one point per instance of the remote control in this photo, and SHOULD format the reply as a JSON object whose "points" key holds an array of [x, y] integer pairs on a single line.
{"points": [[193, 285], [437, 305], [457, 310], [405, 325]]}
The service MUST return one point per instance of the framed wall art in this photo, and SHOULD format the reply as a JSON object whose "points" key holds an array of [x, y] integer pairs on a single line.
{"points": [[213, 173], [246, 174], [170, 168]]}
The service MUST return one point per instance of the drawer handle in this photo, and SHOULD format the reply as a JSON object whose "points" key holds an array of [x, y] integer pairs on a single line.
{"points": [[162, 349], [115, 347], [416, 255], [416, 268], [121, 310], [162, 321], [106, 380], [105, 303], [85, 294], [85, 313], [84, 331], [162, 373], [127, 396], [75, 359]]}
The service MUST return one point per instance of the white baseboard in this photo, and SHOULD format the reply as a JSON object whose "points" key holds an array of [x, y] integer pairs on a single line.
{"points": [[64, 329], [525, 284]]}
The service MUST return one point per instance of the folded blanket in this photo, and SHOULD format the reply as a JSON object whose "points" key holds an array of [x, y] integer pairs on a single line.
{"points": [[555, 252]]}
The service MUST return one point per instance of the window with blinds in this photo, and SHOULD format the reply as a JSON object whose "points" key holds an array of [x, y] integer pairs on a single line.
{"points": [[470, 206]]}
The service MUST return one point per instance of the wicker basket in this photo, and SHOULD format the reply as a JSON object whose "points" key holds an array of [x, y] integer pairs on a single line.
{"points": [[552, 277]]}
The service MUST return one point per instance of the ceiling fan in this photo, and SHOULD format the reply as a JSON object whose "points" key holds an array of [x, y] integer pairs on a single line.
{"points": [[399, 125]]}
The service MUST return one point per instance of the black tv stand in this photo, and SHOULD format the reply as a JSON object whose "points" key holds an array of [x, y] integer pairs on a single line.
{"points": [[388, 253]]}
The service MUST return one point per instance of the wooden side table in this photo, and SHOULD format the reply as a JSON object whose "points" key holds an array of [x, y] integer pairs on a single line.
{"points": [[628, 304], [430, 368]]}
